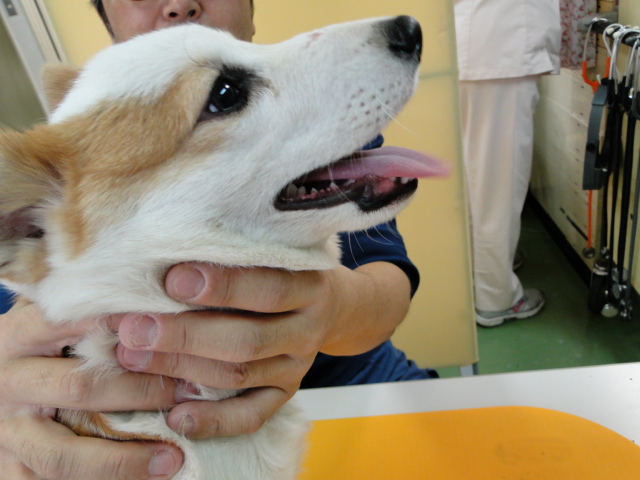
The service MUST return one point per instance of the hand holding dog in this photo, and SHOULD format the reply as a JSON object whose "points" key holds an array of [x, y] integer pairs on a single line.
{"points": [[302, 314], [283, 319], [34, 382]]}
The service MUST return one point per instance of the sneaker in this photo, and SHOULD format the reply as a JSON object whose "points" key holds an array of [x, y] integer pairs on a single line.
{"points": [[531, 303]]}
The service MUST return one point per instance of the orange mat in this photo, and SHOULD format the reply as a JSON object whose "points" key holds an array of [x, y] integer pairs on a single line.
{"points": [[513, 443]]}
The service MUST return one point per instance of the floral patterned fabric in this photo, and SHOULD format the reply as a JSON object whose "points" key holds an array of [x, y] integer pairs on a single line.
{"points": [[571, 52]]}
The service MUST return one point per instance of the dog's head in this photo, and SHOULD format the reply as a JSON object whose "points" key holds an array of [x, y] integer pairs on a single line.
{"points": [[187, 144]]}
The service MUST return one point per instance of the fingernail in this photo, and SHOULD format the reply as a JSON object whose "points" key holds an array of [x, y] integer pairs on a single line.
{"points": [[185, 282], [143, 333], [187, 425], [162, 463], [136, 359]]}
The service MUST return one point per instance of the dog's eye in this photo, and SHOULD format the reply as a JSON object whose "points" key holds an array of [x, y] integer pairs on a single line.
{"points": [[225, 96], [230, 92]]}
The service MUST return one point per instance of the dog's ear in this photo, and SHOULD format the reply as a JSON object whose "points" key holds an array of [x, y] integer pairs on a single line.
{"points": [[29, 181], [58, 79]]}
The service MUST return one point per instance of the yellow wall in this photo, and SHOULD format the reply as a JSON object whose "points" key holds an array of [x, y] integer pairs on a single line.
{"points": [[440, 330], [78, 27], [629, 12]]}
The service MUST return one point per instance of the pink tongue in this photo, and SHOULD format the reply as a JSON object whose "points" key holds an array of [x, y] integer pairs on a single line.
{"points": [[383, 162]]}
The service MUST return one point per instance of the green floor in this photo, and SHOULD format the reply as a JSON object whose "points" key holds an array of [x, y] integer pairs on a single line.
{"points": [[565, 333]]}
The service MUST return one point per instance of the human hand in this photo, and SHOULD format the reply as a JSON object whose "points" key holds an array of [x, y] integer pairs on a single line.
{"points": [[34, 381], [267, 347], [283, 319]]}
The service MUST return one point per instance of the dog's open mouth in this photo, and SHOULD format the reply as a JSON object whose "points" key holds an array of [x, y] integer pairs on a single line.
{"points": [[372, 179]]}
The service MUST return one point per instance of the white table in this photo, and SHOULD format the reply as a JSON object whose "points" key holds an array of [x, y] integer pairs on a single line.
{"points": [[608, 395]]}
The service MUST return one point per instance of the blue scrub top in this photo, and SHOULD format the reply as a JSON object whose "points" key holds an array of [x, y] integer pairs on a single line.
{"points": [[6, 300]]}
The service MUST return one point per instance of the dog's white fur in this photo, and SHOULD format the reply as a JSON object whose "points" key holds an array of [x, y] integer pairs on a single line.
{"points": [[313, 99]]}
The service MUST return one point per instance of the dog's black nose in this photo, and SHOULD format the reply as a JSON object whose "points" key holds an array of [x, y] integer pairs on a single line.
{"points": [[405, 37]]}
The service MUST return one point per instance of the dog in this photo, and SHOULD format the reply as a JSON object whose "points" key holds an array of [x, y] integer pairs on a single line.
{"points": [[186, 144]]}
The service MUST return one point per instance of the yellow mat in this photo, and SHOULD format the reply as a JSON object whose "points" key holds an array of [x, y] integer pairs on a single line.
{"points": [[512, 443]]}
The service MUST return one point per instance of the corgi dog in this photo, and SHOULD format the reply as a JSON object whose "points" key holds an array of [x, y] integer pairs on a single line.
{"points": [[186, 144]]}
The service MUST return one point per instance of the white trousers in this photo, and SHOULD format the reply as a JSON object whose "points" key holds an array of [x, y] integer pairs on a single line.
{"points": [[497, 126]]}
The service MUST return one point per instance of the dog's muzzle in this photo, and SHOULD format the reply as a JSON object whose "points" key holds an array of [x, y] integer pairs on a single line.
{"points": [[371, 179]]}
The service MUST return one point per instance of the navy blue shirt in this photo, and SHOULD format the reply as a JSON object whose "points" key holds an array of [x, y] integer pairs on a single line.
{"points": [[385, 363], [6, 300]]}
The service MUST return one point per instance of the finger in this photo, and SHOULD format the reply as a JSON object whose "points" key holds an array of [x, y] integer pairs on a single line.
{"points": [[204, 371], [226, 336], [263, 290], [234, 416], [12, 469], [57, 382], [53, 452], [27, 333]]}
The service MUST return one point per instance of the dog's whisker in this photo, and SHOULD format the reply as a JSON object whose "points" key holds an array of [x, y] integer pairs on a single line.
{"points": [[359, 244], [392, 117], [394, 231], [385, 242], [353, 257]]}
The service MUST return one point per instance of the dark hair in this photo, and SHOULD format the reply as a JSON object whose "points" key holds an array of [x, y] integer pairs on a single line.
{"points": [[97, 4], [100, 9]]}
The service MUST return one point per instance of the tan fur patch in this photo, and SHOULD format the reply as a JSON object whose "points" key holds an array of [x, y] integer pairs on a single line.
{"points": [[121, 151], [29, 167], [57, 79], [95, 424], [29, 265], [100, 164], [29, 178]]}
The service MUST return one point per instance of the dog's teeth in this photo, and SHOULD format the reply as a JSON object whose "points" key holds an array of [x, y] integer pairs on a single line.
{"points": [[349, 182], [405, 180], [292, 191], [333, 186], [314, 191], [302, 191]]}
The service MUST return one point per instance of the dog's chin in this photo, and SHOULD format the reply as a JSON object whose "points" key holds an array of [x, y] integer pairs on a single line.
{"points": [[369, 193]]}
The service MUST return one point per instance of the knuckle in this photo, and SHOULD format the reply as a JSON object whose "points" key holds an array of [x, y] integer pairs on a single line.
{"points": [[215, 427], [277, 295], [309, 345], [6, 380], [254, 421], [248, 346], [116, 466], [147, 389], [236, 375], [173, 364], [77, 387], [221, 288], [183, 338], [48, 462]]}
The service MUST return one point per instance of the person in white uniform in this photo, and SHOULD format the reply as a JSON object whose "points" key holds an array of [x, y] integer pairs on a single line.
{"points": [[504, 46]]}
